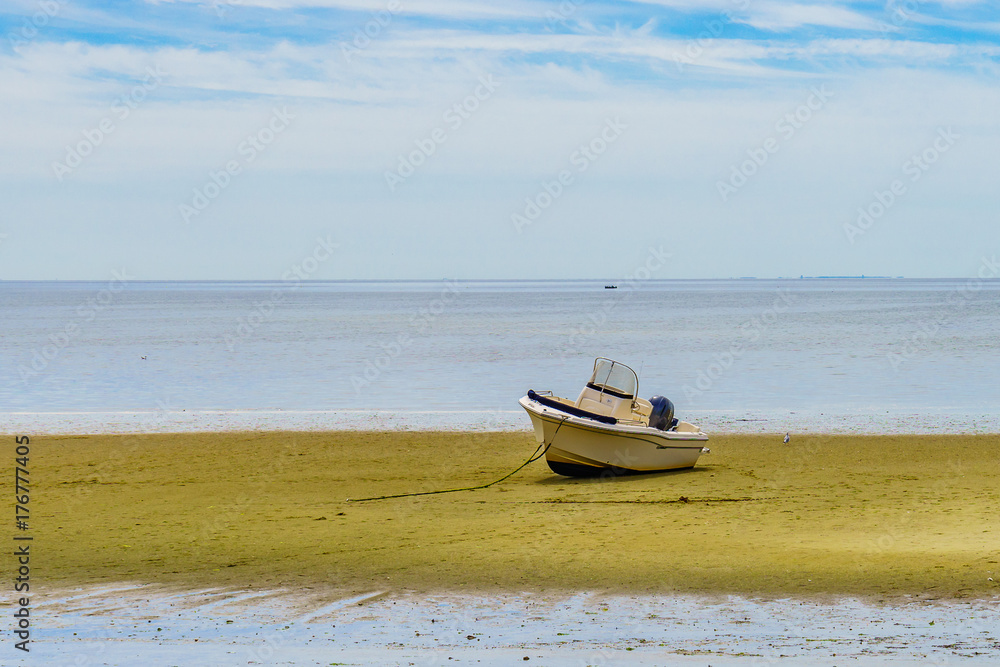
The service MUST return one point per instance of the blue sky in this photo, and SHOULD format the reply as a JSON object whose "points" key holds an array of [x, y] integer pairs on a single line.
{"points": [[468, 140]]}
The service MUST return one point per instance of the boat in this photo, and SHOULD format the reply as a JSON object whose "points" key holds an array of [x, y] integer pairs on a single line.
{"points": [[609, 430]]}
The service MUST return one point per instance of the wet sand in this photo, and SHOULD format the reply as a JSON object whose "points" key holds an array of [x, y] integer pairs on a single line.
{"points": [[132, 624], [873, 516], [735, 421]]}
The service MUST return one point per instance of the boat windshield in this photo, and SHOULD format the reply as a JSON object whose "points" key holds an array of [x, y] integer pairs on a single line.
{"points": [[613, 376]]}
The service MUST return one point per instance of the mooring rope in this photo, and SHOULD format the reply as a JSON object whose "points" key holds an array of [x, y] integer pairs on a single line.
{"points": [[531, 459]]}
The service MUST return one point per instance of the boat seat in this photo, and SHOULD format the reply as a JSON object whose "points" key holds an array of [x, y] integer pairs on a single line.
{"points": [[590, 400], [622, 409], [613, 406], [593, 406], [643, 407]]}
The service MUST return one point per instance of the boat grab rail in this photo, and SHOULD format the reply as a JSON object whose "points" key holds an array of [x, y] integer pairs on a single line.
{"points": [[570, 409]]}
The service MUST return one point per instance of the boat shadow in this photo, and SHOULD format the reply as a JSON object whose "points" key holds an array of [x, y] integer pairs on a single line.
{"points": [[619, 476]]}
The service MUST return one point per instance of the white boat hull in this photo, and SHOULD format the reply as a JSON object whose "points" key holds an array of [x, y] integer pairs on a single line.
{"points": [[579, 446]]}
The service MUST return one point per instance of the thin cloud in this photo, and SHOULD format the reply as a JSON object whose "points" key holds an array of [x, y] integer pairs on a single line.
{"points": [[787, 16], [459, 9], [432, 57]]}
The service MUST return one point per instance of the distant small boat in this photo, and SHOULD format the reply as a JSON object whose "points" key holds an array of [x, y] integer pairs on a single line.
{"points": [[611, 287], [610, 429]]}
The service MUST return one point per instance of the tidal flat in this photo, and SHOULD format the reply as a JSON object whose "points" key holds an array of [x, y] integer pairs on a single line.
{"points": [[822, 515], [243, 548]]}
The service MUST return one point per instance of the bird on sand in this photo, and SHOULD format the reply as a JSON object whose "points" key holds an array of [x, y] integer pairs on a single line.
{"points": [[787, 438]]}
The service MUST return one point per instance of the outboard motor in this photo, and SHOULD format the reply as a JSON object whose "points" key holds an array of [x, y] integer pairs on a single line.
{"points": [[662, 415]]}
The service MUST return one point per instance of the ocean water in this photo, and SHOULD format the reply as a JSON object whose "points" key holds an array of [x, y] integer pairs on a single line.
{"points": [[814, 354]]}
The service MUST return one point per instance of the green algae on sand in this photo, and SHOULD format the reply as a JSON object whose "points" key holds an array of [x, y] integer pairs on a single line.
{"points": [[859, 515]]}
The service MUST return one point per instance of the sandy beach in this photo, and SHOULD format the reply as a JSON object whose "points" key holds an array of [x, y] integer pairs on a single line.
{"points": [[823, 515], [243, 548]]}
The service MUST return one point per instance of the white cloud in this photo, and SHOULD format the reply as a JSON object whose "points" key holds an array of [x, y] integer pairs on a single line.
{"points": [[353, 120], [419, 65], [968, 26], [458, 9], [779, 16]]}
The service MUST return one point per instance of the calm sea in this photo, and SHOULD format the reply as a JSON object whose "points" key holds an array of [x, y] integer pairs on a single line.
{"points": [[826, 354]]}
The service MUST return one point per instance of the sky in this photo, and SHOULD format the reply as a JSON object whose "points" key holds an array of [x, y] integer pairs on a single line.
{"points": [[454, 139]]}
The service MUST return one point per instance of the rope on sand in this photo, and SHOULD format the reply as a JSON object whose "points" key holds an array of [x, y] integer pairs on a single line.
{"points": [[531, 459]]}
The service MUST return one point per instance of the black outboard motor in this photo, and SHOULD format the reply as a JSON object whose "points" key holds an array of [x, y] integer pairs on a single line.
{"points": [[662, 415]]}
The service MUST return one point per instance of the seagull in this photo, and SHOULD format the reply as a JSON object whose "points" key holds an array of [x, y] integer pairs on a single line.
{"points": [[787, 438]]}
